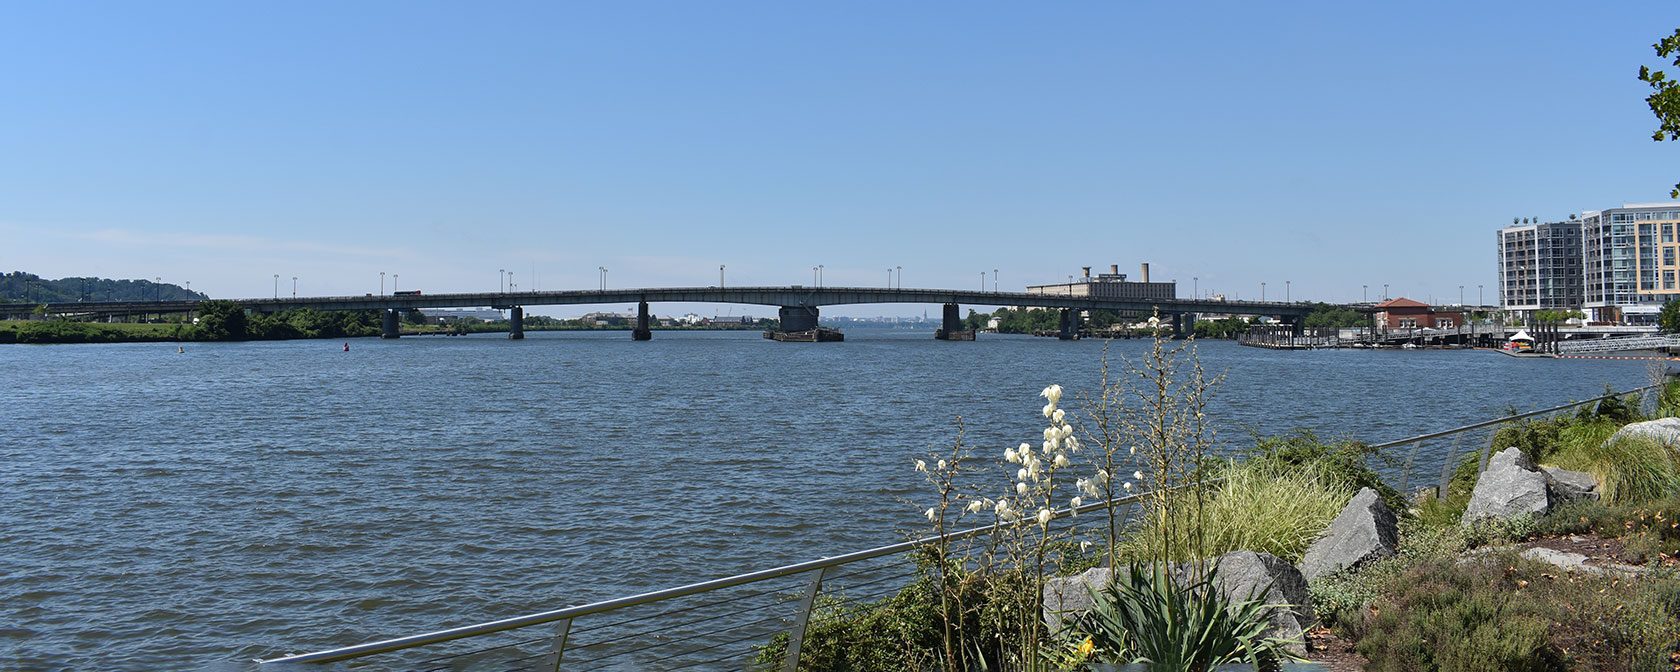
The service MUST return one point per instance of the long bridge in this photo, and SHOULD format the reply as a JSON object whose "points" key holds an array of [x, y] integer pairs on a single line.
{"points": [[798, 306]]}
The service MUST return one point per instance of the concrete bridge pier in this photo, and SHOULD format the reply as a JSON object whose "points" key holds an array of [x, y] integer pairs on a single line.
{"points": [[389, 325], [641, 332], [951, 327], [516, 323], [1184, 325], [797, 318], [1069, 325]]}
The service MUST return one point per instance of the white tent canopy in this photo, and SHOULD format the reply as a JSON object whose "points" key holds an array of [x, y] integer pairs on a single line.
{"points": [[1522, 336]]}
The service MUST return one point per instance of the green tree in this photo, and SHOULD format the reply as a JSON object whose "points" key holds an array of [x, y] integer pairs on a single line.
{"points": [[221, 321], [1326, 315], [1665, 95], [1668, 321]]}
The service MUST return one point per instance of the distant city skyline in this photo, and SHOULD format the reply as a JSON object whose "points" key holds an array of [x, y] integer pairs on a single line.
{"points": [[1333, 148]]}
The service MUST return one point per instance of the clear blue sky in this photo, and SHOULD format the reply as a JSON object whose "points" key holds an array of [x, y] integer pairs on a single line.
{"points": [[1326, 144]]}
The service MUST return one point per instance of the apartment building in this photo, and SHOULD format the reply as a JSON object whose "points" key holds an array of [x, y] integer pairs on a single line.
{"points": [[1541, 268], [1630, 261]]}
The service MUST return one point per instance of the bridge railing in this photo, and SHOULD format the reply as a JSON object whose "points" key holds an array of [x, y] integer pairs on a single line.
{"points": [[726, 623]]}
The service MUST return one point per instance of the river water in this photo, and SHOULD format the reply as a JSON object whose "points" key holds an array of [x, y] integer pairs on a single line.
{"points": [[242, 500]]}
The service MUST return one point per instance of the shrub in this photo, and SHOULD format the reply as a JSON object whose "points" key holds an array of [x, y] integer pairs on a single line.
{"points": [[1502, 612], [1340, 599], [1342, 463], [1252, 509]]}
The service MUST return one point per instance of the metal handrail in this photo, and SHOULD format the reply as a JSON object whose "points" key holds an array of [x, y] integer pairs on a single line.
{"points": [[1508, 418], [412, 641], [440, 636]]}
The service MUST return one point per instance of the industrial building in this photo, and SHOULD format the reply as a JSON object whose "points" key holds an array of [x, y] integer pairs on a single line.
{"points": [[1110, 285]]}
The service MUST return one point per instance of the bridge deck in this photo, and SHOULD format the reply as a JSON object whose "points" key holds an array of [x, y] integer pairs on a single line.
{"points": [[793, 296]]}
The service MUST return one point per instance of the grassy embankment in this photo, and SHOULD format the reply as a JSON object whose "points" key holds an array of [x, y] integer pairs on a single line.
{"points": [[1427, 608]]}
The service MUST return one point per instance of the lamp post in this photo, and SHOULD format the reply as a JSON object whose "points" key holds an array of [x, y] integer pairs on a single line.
{"points": [[982, 281], [157, 289], [994, 280], [889, 278], [1286, 291], [814, 276], [1262, 291], [819, 275], [276, 286], [901, 277], [720, 276], [1195, 288], [501, 278], [1461, 296], [1364, 294], [1385, 291], [294, 286], [394, 282], [1478, 295], [603, 278], [382, 283]]}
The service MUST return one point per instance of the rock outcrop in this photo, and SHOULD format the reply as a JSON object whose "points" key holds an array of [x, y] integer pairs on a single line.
{"points": [[1365, 530], [1665, 431], [1566, 484], [1511, 486]]}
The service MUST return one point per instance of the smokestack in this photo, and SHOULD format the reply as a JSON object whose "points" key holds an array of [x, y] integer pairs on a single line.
{"points": [[1087, 272], [1146, 271], [1114, 269]]}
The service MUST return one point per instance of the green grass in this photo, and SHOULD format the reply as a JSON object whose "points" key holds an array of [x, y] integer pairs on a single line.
{"points": [[1629, 471], [1252, 509]]}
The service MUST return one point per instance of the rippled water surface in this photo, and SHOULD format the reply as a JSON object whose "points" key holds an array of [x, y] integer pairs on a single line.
{"points": [[189, 511]]}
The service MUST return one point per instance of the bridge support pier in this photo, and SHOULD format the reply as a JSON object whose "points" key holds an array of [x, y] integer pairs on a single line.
{"points": [[799, 324], [1184, 325], [641, 332], [389, 325], [951, 328], [516, 323], [1069, 325]]}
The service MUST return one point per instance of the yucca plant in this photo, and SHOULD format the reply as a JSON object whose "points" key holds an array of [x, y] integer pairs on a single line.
{"points": [[1146, 616]]}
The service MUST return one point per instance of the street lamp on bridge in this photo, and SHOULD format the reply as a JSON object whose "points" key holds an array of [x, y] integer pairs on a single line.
{"points": [[394, 282], [994, 280], [901, 277], [382, 283], [501, 280], [294, 286], [276, 286], [1262, 291], [720, 276]]}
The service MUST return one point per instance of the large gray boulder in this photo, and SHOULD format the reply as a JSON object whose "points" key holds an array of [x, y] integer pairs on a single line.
{"points": [[1511, 486], [1665, 431], [1566, 484], [1366, 530], [1067, 597], [1241, 574]]}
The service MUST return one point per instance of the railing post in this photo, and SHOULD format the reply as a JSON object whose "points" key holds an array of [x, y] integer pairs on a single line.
{"points": [[1487, 451], [796, 637], [1448, 467], [1406, 471], [556, 647]]}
